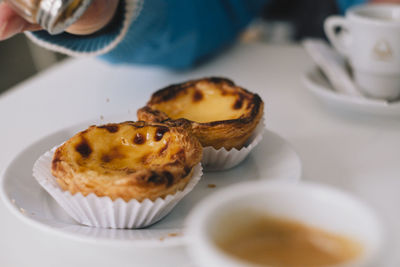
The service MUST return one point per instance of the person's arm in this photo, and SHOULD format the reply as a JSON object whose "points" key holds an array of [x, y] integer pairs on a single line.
{"points": [[172, 33], [345, 4]]}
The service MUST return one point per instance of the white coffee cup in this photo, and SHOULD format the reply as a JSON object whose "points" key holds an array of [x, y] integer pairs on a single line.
{"points": [[370, 39]]}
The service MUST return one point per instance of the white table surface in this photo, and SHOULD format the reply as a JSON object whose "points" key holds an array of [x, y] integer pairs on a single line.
{"points": [[357, 153]]}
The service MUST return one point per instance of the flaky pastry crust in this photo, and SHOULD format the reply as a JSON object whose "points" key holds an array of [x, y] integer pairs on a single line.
{"points": [[220, 113], [129, 160]]}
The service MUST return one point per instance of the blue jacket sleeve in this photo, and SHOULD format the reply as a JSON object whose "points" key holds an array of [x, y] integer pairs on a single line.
{"points": [[171, 33], [345, 4]]}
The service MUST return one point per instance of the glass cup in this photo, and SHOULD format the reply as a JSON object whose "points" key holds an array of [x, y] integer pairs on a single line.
{"points": [[53, 15]]}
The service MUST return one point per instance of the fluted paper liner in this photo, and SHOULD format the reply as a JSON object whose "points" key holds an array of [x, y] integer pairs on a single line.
{"points": [[222, 159], [103, 212]]}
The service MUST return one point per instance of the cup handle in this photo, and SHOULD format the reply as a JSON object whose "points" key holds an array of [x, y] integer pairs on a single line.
{"points": [[341, 43]]}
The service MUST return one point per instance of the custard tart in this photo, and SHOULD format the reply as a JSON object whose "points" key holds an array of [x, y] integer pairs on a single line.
{"points": [[220, 113], [129, 160]]}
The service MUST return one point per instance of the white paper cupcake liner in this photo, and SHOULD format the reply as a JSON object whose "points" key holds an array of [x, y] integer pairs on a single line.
{"points": [[222, 159], [103, 212]]}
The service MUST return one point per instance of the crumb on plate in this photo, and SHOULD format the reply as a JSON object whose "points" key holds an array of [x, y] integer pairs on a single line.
{"points": [[170, 235], [174, 234]]}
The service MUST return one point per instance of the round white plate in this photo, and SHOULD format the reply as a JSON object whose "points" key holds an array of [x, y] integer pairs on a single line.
{"points": [[321, 88], [273, 158]]}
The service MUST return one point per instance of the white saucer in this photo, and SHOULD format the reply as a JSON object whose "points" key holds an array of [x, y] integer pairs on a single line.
{"points": [[318, 85], [272, 159]]}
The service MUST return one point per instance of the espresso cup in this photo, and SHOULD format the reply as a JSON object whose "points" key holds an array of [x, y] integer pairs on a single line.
{"points": [[370, 39]]}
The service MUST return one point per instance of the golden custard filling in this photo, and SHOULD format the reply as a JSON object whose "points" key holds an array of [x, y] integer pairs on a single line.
{"points": [[204, 103], [124, 150], [218, 112], [129, 160]]}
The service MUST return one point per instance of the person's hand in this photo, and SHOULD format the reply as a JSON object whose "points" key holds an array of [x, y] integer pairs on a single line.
{"points": [[98, 15]]}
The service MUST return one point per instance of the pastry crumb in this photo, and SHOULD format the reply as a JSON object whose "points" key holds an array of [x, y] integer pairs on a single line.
{"points": [[23, 211], [174, 234], [211, 186], [170, 235], [13, 201]]}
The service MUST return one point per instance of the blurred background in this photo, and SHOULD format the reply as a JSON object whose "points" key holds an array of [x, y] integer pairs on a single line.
{"points": [[282, 21], [21, 59]]}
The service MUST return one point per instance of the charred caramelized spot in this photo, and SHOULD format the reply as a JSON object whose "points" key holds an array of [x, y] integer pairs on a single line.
{"points": [[238, 103], [56, 159], [220, 80], [224, 92], [109, 127], [129, 171], [146, 158], [114, 153], [168, 92], [168, 176], [197, 96], [160, 133], [187, 171], [161, 178], [249, 105], [256, 103], [164, 148], [155, 178], [139, 124], [83, 148], [139, 139]]}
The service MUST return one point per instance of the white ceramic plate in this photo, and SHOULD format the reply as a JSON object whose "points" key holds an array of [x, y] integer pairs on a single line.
{"points": [[318, 85], [272, 159]]}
